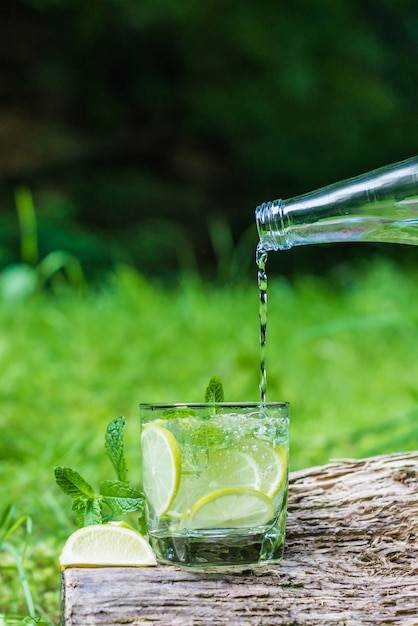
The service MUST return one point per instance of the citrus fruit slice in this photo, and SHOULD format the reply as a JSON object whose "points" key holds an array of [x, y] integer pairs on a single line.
{"points": [[230, 508], [161, 467], [106, 545], [225, 468], [271, 463], [228, 467]]}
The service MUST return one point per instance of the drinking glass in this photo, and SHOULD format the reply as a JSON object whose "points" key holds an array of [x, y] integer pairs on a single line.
{"points": [[215, 478]]}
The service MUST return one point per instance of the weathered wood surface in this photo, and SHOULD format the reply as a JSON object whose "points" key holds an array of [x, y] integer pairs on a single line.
{"points": [[351, 558]]}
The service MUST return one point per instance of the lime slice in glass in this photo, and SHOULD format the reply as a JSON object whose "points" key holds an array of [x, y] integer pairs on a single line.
{"points": [[161, 467], [229, 467], [106, 545], [225, 467], [230, 508], [271, 462]]}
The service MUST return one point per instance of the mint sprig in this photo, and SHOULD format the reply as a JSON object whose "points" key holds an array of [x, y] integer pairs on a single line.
{"points": [[117, 495]]}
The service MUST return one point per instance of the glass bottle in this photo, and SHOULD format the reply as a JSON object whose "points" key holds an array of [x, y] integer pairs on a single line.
{"points": [[381, 206]]}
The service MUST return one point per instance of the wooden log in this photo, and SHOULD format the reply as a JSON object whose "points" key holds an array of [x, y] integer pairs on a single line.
{"points": [[351, 558]]}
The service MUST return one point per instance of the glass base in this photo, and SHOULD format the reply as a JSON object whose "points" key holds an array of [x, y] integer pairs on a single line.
{"points": [[220, 550]]}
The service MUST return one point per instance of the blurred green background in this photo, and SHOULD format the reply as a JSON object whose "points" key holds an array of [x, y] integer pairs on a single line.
{"points": [[136, 139], [145, 125]]}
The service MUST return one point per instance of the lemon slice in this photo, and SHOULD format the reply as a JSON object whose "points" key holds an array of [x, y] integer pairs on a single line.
{"points": [[271, 462], [225, 468], [230, 508], [106, 545], [161, 467]]}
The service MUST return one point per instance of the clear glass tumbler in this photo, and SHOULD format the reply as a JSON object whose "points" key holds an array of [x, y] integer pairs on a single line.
{"points": [[215, 477]]}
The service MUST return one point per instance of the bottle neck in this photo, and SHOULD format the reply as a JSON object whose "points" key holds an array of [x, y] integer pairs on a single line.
{"points": [[271, 227], [380, 206]]}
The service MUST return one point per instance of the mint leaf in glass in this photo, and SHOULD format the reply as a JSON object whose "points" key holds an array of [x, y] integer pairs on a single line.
{"points": [[178, 411], [214, 391]]}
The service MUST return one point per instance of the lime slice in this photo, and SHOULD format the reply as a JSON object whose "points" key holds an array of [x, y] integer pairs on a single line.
{"points": [[271, 463], [161, 467], [225, 468], [230, 508], [230, 468], [106, 545]]}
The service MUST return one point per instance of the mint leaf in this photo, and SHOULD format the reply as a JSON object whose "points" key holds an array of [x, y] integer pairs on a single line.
{"points": [[198, 433], [122, 506], [72, 483], [87, 511], [114, 447], [214, 390], [120, 497], [118, 489], [179, 411]]}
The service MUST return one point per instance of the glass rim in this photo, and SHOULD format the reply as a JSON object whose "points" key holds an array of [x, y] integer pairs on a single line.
{"points": [[203, 405]]}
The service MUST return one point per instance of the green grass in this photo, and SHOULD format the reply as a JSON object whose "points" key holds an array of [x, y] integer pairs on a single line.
{"points": [[343, 354]]}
